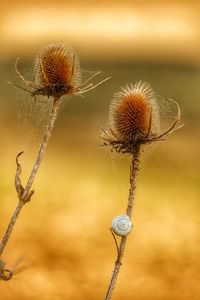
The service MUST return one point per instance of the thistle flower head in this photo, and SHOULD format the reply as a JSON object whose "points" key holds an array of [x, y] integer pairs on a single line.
{"points": [[57, 64], [134, 119], [133, 112], [57, 72]]}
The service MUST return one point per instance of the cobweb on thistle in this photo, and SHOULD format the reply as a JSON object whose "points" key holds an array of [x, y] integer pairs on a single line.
{"points": [[168, 112], [34, 112], [33, 117]]}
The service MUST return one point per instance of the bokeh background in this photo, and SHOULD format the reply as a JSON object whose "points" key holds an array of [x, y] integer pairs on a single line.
{"points": [[63, 235]]}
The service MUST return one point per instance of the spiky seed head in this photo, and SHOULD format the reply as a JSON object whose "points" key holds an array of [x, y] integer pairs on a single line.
{"points": [[57, 64], [133, 112]]}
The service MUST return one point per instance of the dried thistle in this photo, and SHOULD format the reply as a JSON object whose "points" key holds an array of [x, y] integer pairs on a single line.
{"points": [[57, 72], [134, 120]]}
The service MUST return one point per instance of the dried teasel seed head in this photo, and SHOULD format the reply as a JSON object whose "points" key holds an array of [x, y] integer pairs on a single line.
{"points": [[134, 119], [57, 73], [57, 64], [133, 113]]}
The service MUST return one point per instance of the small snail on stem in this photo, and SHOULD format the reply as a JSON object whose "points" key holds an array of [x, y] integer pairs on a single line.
{"points": [[121, 225]]}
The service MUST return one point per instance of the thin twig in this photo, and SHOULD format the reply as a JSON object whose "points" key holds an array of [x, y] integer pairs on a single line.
{"points": [[11, 226], [118, 262], [26, 193], [42, 149]]}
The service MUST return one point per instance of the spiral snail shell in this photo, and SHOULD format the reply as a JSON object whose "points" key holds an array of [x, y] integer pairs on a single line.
{"points": [[121, 225]]}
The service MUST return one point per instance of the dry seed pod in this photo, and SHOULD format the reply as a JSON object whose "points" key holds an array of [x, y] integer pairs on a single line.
{"points": [[122, 225], [131, 110], [57, 69], [57, 72], [134, 119]]}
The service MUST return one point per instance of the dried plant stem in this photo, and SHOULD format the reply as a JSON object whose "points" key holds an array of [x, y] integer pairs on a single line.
{"points": [[121, 248], [10, 226], [27, 193], [42, 149]]}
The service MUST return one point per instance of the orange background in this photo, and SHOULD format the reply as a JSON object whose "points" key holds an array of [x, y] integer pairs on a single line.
{"points": [[63, 233]]}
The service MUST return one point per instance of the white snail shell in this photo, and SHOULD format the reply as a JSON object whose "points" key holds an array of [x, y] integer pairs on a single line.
{"points": [[122, 225]]}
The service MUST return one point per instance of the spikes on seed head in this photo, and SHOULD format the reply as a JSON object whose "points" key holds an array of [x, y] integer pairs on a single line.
{"points": [[57, 64], [133, 112], [57, 73]]}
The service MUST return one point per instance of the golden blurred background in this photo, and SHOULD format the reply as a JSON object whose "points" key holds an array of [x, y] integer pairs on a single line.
{"points": [[63, 233]]}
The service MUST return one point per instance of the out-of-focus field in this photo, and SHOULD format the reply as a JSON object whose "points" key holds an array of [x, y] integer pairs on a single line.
{"points": [[63, 233]]}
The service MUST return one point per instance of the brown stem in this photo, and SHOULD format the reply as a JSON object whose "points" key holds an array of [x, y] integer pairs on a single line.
{"points": [[42, 149], [133, 176], [11, 226], [26, 193]]}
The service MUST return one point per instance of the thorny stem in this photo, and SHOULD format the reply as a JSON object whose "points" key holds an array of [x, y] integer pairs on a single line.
{"points": [[26, 193], [121, 248]]}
